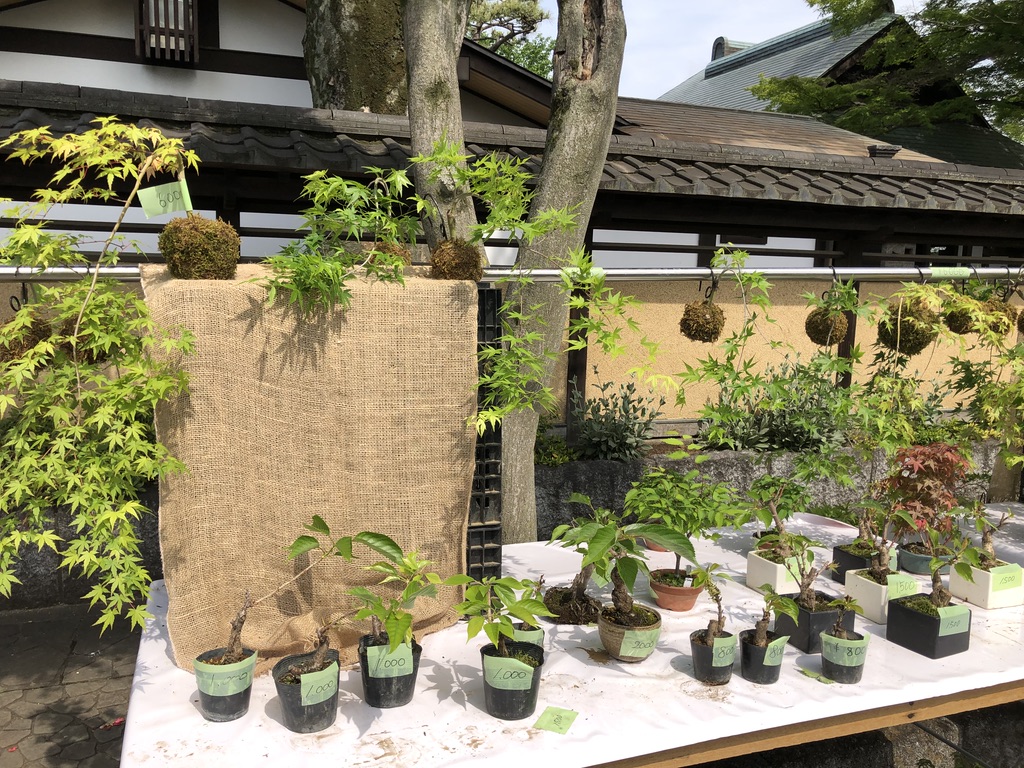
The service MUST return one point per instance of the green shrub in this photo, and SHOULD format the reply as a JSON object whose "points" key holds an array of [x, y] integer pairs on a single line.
{"points": [[614, 425]]}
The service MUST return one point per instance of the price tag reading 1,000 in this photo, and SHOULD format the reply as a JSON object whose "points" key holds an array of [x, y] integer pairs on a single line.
{"points": [[319, 686], [508, 674], [385, 665]]}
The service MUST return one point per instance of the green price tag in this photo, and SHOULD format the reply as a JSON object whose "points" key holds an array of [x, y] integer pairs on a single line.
{"points": [[846, 653], [724, 652], [224, 679], [775, 651], [816, 676], [951, 273], [1006, 577], [954, 620], [639, 642], [535, 636], [556, 719], [319, 686], [901, 585], [383, 664], [165, 198], [508, 674]]}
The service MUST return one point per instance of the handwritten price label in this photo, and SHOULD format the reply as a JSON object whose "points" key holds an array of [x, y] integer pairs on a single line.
{"points": [[165, 198], [225, 679], [954, 620], [900, 585], [639, 642], [556, 719], [508, 674], [1006, 577], [846, 653], [319, 686], [383, 664], [775, 651], [724, 652]]}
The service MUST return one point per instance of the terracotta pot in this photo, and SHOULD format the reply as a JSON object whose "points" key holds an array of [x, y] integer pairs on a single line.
{"points": [[673, 598]]}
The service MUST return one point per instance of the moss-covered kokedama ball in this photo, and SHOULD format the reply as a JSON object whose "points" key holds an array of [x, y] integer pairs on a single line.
{"points": [[826, 327], [396, 250], [907, 327], [456, 260], [702, 321], [200, 249], [958, 321], [39, 329], [1004, 315], [1020, 322]]}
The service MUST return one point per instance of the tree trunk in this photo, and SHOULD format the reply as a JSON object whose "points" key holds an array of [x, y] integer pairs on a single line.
{"points": [[354, 55], [588, 60], [434, 30]]}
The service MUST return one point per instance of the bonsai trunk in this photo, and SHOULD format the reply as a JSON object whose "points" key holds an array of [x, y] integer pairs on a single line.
{"points": [[940, 596], [621, 599], [807, 598], [319, 660], [234, 652], [380, 635], [715, 626], [579, 584], [838, 630], [879, 569], [987, 546], [761, 630]]}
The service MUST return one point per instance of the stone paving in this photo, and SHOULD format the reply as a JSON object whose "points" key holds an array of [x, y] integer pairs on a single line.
{"points": [[63, 688]]}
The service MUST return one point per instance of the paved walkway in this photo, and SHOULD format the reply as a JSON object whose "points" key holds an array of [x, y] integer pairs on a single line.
{"points": [[63, 688]]}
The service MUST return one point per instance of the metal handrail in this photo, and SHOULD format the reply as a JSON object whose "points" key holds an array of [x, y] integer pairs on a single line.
{"points": [[130, 273]]}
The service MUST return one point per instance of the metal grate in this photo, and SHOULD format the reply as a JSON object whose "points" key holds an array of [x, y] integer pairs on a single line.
{"points": [[166, 31]]}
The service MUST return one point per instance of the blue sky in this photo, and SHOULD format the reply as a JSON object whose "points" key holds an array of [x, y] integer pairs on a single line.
{"points": [[669, 40]]}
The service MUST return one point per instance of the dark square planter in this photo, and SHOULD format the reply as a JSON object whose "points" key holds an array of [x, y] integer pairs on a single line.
{"points": [[846, 562], [806, 633], [920, 632]]}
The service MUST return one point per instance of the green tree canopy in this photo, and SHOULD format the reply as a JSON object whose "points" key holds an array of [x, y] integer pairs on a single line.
{"points": [[952, 60], [509, 28]]}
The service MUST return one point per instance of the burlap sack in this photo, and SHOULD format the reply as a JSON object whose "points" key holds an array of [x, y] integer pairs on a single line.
{"points": [[360, 418]]}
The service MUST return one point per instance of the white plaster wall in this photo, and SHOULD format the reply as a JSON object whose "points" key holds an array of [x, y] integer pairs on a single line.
{"points": [[153, 79], [113, 18], [267, 26]]}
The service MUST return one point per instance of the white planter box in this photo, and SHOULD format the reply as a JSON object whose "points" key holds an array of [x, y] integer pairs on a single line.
{"points": [[760, 572], [873, 598], [1002, 587]]}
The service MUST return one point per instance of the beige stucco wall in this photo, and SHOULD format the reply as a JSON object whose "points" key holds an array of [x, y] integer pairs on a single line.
{"points": [[662, 306]]}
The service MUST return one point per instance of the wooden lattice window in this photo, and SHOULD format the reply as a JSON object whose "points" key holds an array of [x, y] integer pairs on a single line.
{"points": [[166, 31]]}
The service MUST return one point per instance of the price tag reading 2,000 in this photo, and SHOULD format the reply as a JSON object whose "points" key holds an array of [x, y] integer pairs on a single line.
{"points": [[639, 642]]}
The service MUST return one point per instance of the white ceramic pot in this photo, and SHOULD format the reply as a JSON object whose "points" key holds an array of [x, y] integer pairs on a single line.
{"points": [[784, 579], [1002, 587], [873, 598]]}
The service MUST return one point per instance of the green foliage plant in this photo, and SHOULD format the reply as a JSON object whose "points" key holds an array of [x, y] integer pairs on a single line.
{"points": [[614, 425], [959, 553], [77, 404], [613, 548], [686, 503], [550, 449], [842, 606], [492, 604], [709, 577], [773, 603], [313, 273]]}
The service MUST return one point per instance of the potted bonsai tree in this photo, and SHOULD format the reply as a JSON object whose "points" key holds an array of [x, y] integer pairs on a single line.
{"points": [[930, 624], [843, 651], [872, 587], [690, 505], [861, 553], [307, 685], [774, 500], [512, 669], [628, 631], [761, 650], [224, 675], [814, 613], [993, 583], [713, 649], [389, 657]]}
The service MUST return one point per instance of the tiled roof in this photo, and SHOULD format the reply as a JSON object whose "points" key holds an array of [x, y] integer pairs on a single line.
{"points": [[810, 51], [810, 164]]}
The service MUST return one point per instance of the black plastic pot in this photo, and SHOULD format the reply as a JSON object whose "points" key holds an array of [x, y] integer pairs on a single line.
{"points": [[846, 667], [920, 632], [705, 657], [848, 562], [753, 657], [511, 693], [805, 633], [388, 682], [224, 689], [318, 713]]}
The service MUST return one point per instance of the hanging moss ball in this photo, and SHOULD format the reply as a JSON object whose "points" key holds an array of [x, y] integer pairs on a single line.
{"points": [[399, 251], [1004, 315], [911, 324], [1020, 322], [826, 327], [958, 321], [456, 260], [39, 329], [200, 249], [702, 321]]}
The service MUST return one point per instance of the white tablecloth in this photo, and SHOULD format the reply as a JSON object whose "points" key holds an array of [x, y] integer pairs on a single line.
{"points": [[624, 709]]}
